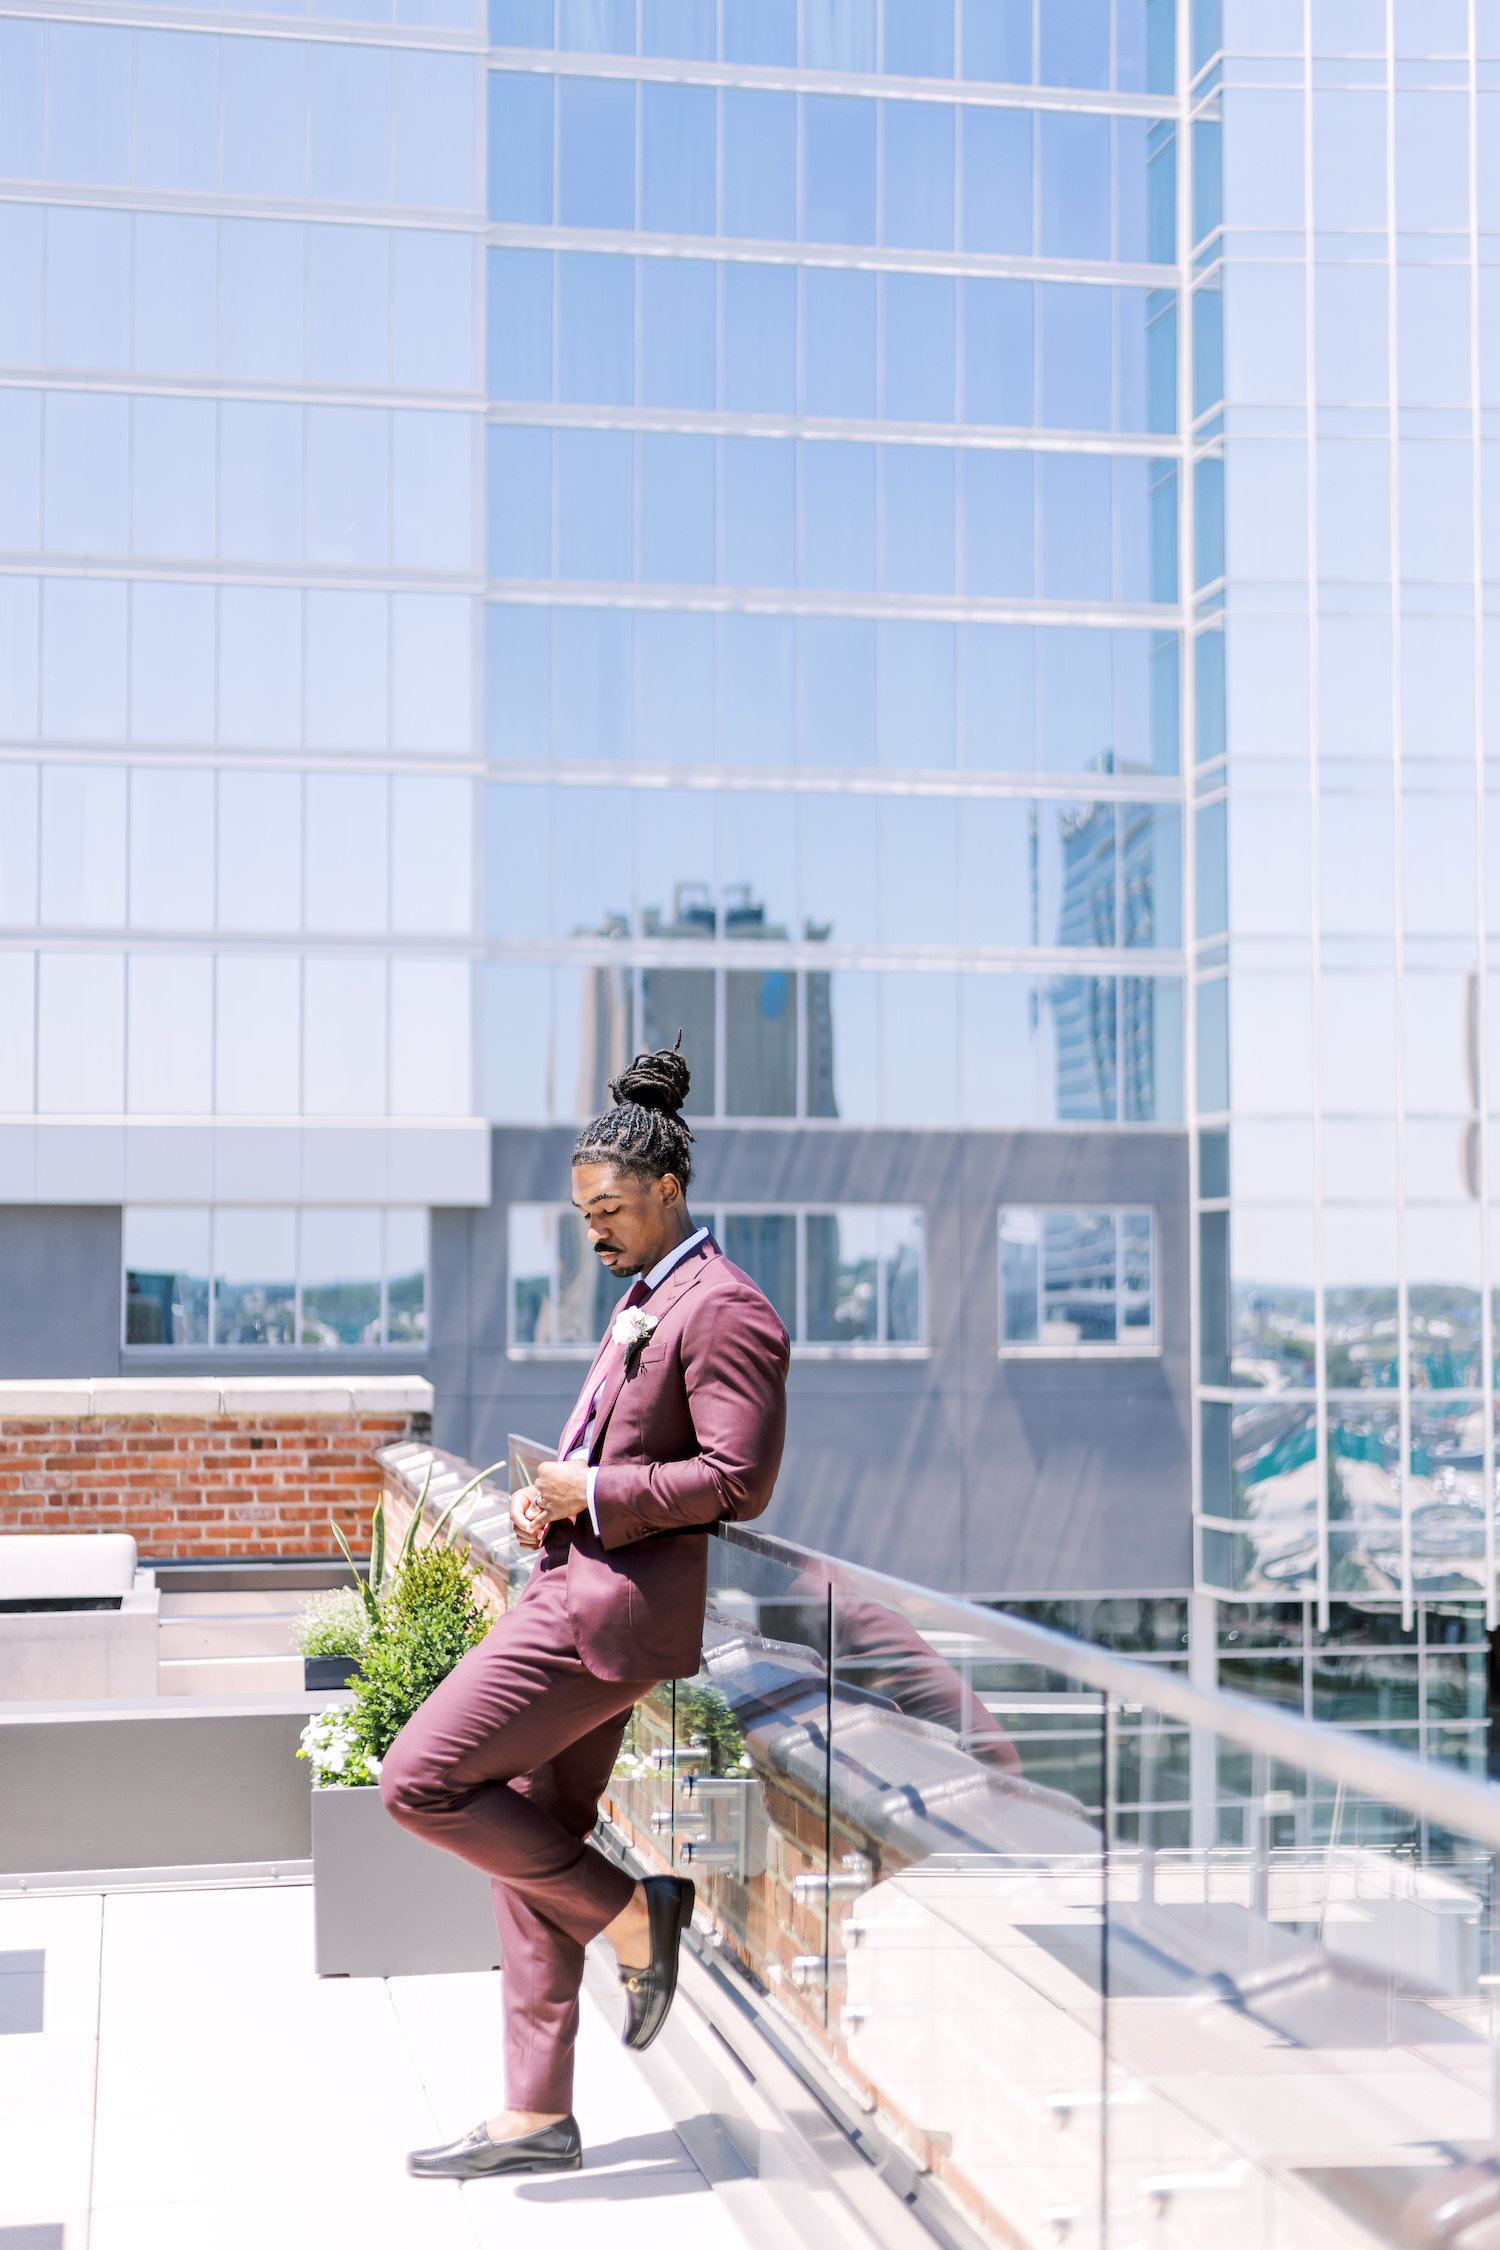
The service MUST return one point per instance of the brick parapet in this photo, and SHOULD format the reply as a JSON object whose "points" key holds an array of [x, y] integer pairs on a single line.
{"points": [[250, 1483]]}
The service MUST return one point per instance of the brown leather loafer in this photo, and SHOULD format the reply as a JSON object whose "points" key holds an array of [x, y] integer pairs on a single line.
{"points": [[649, 1992]]}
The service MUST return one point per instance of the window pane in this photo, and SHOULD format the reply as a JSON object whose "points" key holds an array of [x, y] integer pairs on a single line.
{"points": [[166, 1276], [1078, 1277], [348, 661], [678, 305], [406, 1277], [518, 682], [340, 1278], [172, 662], [348, 485], [596, 169], [432, 491], [1075, 184], [760, 165], [1079, 1073], [518, 484], [88, 104], [1076, 877], [344, 1038], [347, 845], [596, 329], [838, 516], [176, 110], [760, 1035], [265, 117], [760, 31], [918, 1048], [595, 504], [997, 180], [677, 159], [840, 869], [759, 512], [997, 41], [918, 38], [258, 1035], [433, 318], [173, 487], [260, 482], [838, 342], [595, 690], [1020, 1233], [434, 131], [83, 660], [843, 1280], [920, 333], [176, 294], [919, 142], [263, 292], [597, 27], [838, 34], [260, 666], [171, 848], [83, 845], [348, 299], [999, 1051], [349, 126], [763, 1244], [843, 1037], [676, 1000], [838, 680], [920, 522], [758, 656], [255, 1268], [530, 1230], [1136, 1311], [838, 141], [520, 148], [901, 1257], [677, 510], [675, 686], [999, 554], [760, 339], [87, 473]]}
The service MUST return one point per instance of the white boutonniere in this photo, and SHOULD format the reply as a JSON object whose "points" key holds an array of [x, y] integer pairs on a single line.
{"points": [[632, 1329]]}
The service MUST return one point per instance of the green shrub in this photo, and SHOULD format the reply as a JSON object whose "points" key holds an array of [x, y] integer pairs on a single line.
{"points": [[426, 1619]]}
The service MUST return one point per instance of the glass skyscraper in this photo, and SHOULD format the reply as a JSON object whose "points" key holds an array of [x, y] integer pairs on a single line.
{"points": [[935, 547]]}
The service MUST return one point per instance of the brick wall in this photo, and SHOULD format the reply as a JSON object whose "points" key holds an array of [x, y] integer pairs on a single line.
{"points": [[202, 1467]]}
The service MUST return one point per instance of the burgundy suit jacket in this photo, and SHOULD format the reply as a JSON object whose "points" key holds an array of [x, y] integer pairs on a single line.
{"points": [[689, 1433]]}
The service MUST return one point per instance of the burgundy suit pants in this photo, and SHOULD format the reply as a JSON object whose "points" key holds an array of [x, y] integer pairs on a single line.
{"points": [[504, 1765]]}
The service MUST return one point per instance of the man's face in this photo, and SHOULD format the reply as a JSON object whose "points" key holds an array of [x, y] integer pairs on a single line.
{"points": [[632, 1222]]}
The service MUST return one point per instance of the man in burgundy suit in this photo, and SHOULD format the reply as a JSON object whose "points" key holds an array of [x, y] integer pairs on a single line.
{"points": [[679, 1426]]}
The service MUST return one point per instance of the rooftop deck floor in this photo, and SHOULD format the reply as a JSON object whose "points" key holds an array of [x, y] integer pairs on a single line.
{"points": [[195, 2086]]}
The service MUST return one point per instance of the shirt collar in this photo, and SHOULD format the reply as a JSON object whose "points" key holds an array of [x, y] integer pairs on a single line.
{"points": [[673, 1258]]}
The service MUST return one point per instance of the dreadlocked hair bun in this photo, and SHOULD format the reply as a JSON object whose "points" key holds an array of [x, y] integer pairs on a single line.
{"points": [[644, 1132], [658, 1081]]}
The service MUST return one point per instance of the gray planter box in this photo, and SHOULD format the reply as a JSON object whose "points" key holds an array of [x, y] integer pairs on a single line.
{"points": [[388, 1905]]}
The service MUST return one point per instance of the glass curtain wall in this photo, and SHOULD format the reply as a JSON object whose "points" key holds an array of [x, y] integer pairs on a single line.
{"points": [[1343, 203], [238, 599], [833, 501]]}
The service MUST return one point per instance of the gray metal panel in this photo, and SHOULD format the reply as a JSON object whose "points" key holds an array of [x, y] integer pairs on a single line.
{"points": [[60, 1307], [178, 1785]]}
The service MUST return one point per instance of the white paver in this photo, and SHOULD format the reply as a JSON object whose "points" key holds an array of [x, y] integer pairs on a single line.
{"points": [[196, 2084]]}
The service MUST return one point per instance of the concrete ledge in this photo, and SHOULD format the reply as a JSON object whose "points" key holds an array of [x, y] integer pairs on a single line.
{"points": [[194, 1397]]}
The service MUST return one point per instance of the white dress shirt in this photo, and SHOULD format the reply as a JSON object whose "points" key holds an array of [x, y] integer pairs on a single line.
{"points": [[652, 1280]]}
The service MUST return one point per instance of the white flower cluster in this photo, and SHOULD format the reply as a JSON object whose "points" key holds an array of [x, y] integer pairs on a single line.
{"points": [[633, 1328], [328, 1746]]}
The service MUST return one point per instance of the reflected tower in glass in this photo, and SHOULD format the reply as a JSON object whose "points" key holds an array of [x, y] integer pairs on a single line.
{"points": [[1345, 356]]}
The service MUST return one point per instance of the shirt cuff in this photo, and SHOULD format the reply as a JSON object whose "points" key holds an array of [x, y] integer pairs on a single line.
{"points": [[593, 1511]]}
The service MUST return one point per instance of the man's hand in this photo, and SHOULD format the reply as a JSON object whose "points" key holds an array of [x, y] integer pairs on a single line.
{"points": [[561, 1491]]}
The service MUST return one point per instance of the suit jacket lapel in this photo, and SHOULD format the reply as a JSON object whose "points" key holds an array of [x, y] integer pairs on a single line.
{"points": [[679, 1281]]}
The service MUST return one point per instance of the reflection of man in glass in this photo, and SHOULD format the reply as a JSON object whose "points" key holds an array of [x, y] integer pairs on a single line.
{"points": [[679, 1425]]}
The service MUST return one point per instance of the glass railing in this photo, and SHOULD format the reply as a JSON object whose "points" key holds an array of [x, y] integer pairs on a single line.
{"points": [[1116, 1963]]}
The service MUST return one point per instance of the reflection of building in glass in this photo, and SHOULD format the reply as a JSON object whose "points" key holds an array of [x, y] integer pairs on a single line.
{"points": [[1345, 1316]]}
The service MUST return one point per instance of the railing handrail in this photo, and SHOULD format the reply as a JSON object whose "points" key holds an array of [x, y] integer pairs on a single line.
{"points": [[1373, 1769]]}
